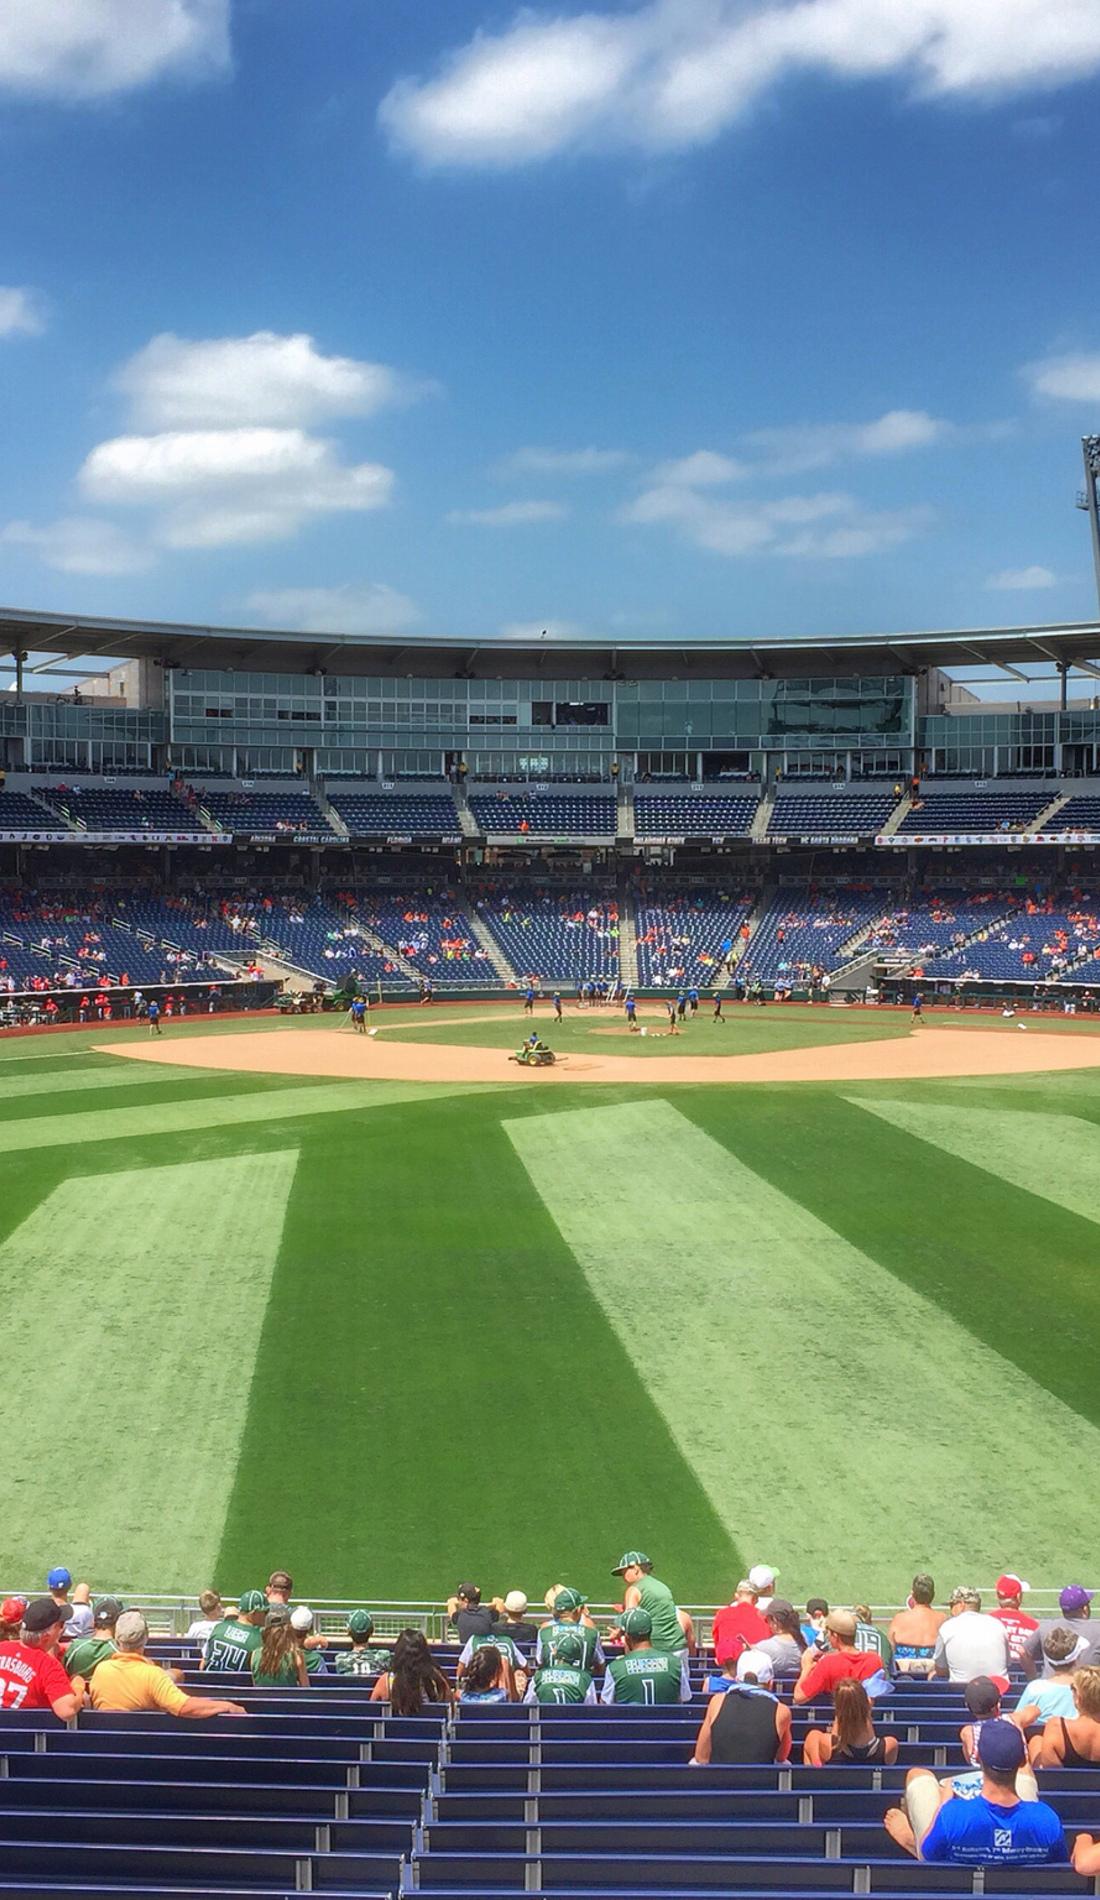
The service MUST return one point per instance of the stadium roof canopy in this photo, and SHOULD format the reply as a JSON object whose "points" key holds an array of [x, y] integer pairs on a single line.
{"points": [[89, 641]]}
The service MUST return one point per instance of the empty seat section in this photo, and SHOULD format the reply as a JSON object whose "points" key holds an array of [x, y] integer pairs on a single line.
{"points": [[693, 814], [934, 923], [561, 936], [974, 812], [396, 814], [829, 814], [121, 808], [803, 927], [1082, 813], [545, 814], [20, 813], [253, 813]]}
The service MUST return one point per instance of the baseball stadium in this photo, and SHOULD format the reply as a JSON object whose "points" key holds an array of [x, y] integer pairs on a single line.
{"points": [[471, 1111]]}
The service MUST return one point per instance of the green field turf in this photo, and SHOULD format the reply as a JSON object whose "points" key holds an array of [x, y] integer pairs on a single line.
{"points": [[745, 1030], [389, 1334]]}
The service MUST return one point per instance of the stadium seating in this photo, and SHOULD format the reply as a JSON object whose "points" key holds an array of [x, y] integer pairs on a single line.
{"points": [[561, 936], [20, 813], [685, 937], [936, 923], [1080, 813], [802, 927], [1060, 937], [250, 813], [694, 814], [545, 814], [430, 930], [975, 812], [829, 814], [119, 808], [396, 814]]}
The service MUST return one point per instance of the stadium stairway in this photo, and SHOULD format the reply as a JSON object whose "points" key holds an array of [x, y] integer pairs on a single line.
{"points": [[1042, 821], [628, 941], [493, 950], [467, 823], [384, 949], [317, 788], [762, 817], [897, 817], [624, 829], [763, 904]]}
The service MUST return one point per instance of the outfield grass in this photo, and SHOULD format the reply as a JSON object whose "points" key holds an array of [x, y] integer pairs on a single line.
{"points": [[746, 1030], [388, 1335]]}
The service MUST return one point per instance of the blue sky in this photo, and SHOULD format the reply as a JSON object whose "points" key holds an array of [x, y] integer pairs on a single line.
{"points": [[701, 316]]}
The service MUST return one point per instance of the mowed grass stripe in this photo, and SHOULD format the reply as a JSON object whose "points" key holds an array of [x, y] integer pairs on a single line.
{"points": [[1054, 1156], [437, 1393], [232, 1099], [747, 1316], [119, 1075], [128, 1355]]}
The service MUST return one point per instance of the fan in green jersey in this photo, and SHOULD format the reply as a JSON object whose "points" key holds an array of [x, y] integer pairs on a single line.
{"points": [[642, 1673]]}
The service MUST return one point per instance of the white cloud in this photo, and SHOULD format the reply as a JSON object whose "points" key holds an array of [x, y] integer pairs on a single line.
{"points": [[672, 74], [589, 461], [513, 514], [704, 469], [21, 311], [227, 382], [1013, 580], [371, 607], [89, 49], [818, 445], [1073, 378], [542, 629], [80, 545], [216, 487], [827, 525]]}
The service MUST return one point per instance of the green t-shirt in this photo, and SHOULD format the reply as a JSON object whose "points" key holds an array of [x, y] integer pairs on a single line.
{"points": [[560, 1684], [492, 1641], [315, 1662], [546, 1649], [646, 1675], [230, 1645], [657, 1598], [284, 1675], [81, 1657], [362, 1662]]}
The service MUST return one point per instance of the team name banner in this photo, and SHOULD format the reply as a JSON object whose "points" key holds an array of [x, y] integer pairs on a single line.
{"points": [[113, 837], [1017, 838]]}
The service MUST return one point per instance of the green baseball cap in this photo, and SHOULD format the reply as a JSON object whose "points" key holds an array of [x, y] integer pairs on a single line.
{"points": [[567, 1600], [636, 1623], [250, 1601], [360, 1623], [568, 1648], [628, 1560]]}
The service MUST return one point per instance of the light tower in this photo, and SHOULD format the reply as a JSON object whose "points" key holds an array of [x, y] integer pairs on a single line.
{"points": [[1089, 499]]}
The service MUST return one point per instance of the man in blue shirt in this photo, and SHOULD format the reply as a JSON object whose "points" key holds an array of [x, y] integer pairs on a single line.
{"points": [[995, 1828]]}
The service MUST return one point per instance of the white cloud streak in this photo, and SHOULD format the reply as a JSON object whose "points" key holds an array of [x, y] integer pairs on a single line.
{"points": [[229, 382], [79, 544], [819, 445], [21, 310], [1072, 378], [217, 487], [673, 74], [569, 462], [828, 526], [1021, 580], [370, 607], [82, 50], [512, 514]]}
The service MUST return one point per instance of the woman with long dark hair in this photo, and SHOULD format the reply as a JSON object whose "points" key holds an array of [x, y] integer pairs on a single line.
{"points": [[488, 1677], [852, 1737], [785, 1644], [412, 1678], [280, 1660]]}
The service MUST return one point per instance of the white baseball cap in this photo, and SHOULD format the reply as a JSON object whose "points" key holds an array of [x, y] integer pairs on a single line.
{"points": [[515, 1602], [301, 1618], [755, 1662], [762, 1576]]}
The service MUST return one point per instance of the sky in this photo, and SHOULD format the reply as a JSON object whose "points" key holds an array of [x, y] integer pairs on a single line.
{"points": [[701, 317]]}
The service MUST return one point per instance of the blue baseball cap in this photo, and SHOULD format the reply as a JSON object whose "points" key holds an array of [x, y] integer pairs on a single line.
{"points": [[59, 1578], [1001, 1747]]}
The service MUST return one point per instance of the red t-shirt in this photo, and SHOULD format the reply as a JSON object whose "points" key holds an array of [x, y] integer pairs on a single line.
{"points": [[739, 1626], [1018, 1628], [837, 1667], [30, 1678]]}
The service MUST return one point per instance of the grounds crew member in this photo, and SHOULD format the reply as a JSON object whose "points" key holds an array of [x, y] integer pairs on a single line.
{"points": [[565, 1679], [645, 1591], [642, 1673], [231, 1642]]}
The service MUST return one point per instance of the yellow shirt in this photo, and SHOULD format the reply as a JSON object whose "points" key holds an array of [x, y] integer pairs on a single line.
{"points": [[128, 1683]]}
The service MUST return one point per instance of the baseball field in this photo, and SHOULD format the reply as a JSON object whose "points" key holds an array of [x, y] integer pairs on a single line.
{"points": [[816, 1288]]}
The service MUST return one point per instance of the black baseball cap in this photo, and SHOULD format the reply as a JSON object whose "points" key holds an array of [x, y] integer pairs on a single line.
{"points": [[42, 1614], [470, 1592], [107, 1611]]}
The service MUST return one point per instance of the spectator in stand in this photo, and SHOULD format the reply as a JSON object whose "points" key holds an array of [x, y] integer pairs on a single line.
{"points": [[1074, 1742], [128, 1682], [852, 1737], [469, 1615], [231, 1642], [11, 1618], [313, 1643], [970, 1644], [211, 1611], [412, 1680], [739, 1626], [1050, 1696], [745, 1722], [77, 1608], [31, 1675], [763, 1579], [1075, 1603], [813, 1625], [983, 1702], [870, 1638], [280, 1660], [784, 1643], [520, 1630], [565, 1679], [83, 1657], [993, 1828], [644, 1591], [1018, 1627], [569, 1613], [489, 1677], [361, 1659], [643, 1673], [820, 1675], [913, 1632]]}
